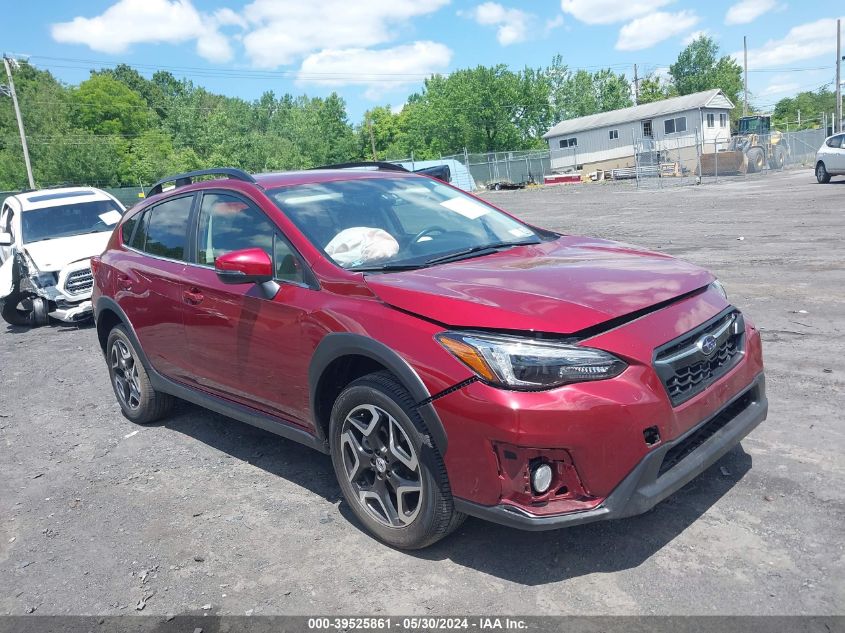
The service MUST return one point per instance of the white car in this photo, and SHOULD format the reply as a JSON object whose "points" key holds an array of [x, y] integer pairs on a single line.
{"points": [[830, 159], [47, 238]]}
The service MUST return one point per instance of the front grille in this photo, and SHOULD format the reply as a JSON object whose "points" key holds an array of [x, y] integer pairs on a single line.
{"points": [[79, 281], [684, 365], [703, 433]]}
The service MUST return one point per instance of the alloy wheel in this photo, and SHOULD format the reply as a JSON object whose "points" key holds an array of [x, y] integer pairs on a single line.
{"points": [[125, 375], [382, 466]]}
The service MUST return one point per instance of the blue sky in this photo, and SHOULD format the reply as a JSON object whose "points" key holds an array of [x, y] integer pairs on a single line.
{"points": [[377, 51]]}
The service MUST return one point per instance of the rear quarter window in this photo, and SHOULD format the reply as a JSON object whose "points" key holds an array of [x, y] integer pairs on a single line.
{"points": [[128, 227]]}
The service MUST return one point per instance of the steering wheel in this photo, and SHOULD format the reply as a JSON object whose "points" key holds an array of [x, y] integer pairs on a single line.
{"points": [[438, 230]]}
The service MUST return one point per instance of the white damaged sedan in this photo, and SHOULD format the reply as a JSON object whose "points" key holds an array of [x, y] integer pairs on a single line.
{"points": [[47, 238]]}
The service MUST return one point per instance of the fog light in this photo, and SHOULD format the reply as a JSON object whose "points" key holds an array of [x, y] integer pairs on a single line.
{"points": [[541, 478]]}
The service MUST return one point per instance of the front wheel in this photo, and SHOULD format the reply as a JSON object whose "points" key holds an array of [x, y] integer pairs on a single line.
{"points": [[821, 174], [391, 475], [756, 160], [25, 310]]}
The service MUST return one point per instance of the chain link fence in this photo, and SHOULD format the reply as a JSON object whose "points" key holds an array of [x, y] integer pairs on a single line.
{"points": [[687, 160]]}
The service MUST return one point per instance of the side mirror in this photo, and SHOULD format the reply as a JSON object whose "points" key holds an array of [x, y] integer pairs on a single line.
{"points": [[247, 266], [5, 239]]}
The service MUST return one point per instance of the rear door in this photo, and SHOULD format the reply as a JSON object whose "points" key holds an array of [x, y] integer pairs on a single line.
{"points": [[246, 346], [149, 287]]}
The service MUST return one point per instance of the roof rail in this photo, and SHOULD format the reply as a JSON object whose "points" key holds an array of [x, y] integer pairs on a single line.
{"points": [[379, 165], [179, 179]]}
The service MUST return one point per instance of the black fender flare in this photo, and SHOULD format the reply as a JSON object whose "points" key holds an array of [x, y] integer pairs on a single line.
{"points": [[107, 303], [336, 345]]}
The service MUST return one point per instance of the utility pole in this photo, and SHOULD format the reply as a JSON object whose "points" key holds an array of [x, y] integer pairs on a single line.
{"points": [[372, 137], [799, 119], [8, 62], [636, 87], [745, 80], [838, 121]]}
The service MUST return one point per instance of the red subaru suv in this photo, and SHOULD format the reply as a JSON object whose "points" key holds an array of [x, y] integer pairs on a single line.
{"points": [[450, 358]]}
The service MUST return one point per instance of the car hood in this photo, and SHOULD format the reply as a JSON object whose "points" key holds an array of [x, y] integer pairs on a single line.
{"points": [[561, 286], [55, 254]]}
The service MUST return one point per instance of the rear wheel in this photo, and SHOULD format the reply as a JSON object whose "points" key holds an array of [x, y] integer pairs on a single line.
{"points": [[778, 159], [389, 472], [821, 174], [138, 401]]}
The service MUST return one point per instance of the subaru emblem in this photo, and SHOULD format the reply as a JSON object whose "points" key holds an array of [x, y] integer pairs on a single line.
{"points": [[707, 344]]}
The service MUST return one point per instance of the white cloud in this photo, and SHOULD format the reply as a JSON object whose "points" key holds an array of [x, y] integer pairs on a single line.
{"points": [[689, 39], [647, 31], [555, 23], [513, 25], [609, 11], [746, 11], [129, 22], [284, 31], [805, 41], [778, 88], [380, 70]]}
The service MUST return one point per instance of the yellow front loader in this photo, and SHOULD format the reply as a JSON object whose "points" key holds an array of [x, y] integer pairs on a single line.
{"points": [[753, 147]]}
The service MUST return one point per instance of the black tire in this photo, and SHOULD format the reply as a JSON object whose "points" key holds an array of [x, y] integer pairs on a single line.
{"points": [[821, 174], [756, 160], [25, 310], [430, 513], [138, 401], [778, 159]]}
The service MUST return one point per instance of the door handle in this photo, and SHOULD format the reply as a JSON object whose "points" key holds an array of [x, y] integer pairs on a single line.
{"points": [[193, 296], [124, 283]]}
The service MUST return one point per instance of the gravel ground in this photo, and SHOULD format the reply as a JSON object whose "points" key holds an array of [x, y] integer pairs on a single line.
{"points": [[202, 514]]}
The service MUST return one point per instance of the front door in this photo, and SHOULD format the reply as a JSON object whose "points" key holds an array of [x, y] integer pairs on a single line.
{"points": [[246, 346]]}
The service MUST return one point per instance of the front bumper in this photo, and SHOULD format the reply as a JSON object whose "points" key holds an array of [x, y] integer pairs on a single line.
{"points": [[661, 472], [73, 312]]}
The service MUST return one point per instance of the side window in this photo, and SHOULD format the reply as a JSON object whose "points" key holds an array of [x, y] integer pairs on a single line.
{"points": [[286, 262], [229, 224], [140, 237], [6, 219], [835, 141], [127, 228], [167, 228]]}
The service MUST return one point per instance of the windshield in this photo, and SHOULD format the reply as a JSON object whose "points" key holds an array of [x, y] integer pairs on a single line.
{"points": [[753, 125], [390, 223], [74, 218]]}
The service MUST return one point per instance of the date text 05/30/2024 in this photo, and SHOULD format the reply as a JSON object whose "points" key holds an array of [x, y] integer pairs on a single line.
{"points": [[417, 623]]}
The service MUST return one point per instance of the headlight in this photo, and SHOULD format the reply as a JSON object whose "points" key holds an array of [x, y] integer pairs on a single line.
{"points": [[718, 287], [522, 363]]}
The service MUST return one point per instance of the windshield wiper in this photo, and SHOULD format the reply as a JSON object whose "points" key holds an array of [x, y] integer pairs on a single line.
{"points": [[476, 251], [385, 267]]}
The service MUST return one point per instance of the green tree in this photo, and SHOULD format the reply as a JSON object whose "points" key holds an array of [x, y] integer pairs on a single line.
{"points": [[105, 105], [581, 93], [652, 88], [700, 68], [811, 105]]}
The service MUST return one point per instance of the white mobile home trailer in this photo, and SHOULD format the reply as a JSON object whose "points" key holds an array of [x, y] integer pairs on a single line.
{"points": [[608, 140]]}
